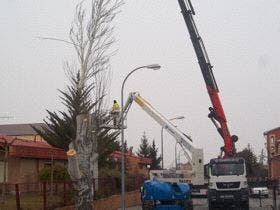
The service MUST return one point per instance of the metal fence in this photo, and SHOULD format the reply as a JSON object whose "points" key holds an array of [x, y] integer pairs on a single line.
{"points": [[47, 196]]}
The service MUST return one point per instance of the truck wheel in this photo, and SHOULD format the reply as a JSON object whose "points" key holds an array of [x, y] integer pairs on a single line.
{"points": [[188, 205], [211, 206], [245, 206], [146, 206]]}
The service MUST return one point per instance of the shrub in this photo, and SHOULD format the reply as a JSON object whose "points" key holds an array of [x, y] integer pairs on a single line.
{"points": [[60, 173]]}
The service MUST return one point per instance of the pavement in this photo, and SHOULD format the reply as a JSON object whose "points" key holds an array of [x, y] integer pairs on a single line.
{"points": [[201, 204]]}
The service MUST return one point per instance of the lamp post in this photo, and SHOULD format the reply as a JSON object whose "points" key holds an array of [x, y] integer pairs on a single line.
{"points": [[153, 67], [176, 156], [174, 118]]}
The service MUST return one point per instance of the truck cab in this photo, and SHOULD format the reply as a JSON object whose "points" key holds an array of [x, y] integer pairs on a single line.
{"points": [[227, 184]]}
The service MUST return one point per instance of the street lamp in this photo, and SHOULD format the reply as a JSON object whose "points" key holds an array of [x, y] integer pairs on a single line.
{"points": [[174, 118], [153, 67], [176, 155]]}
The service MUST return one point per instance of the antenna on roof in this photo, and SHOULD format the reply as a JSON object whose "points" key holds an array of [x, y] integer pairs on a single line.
{"points": [[6, 117]]}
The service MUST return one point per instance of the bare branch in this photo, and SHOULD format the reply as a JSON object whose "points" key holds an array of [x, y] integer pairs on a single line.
{"points": [[56, 39]]}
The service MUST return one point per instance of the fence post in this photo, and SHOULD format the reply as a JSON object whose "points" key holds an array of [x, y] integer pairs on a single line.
{"points": [[44, 196], [64, 193], [17, 197], [274, 195]]}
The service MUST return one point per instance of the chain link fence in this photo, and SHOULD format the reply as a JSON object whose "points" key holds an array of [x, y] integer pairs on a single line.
{"points": [[47, 196]]}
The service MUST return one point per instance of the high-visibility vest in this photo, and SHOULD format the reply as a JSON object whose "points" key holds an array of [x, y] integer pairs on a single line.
{"points": [[116, 107]]}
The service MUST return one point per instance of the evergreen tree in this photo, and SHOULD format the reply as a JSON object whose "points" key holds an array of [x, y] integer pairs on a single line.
{"points": [[144, 148], [153, 155], [60, 127], [125, 147], [253, 167]]}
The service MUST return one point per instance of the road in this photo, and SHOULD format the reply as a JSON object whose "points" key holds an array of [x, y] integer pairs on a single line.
{"points": [[255, 204]]}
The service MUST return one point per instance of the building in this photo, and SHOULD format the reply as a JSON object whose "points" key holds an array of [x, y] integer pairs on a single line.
{"points": [[22, 131], [29, 153], [135, 165], [273, 152], [25, 158]]}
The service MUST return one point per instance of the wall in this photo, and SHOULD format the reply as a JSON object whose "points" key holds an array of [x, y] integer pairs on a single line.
{"points": [[28, 137], [26, 170], [113, 202], [275, 168], [273, 152]]}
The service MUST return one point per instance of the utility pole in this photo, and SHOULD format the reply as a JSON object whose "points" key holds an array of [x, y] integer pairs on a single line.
{"points": [[6, 154], [6, 117]]}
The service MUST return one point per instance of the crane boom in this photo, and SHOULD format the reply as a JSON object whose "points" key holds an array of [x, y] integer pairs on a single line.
{"points": [[194, 155], [216, 114]]}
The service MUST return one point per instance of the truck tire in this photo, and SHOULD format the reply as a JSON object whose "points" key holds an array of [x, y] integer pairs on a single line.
{"points": [[146, 206], [245, 205], [188, 207], [211, 206]]}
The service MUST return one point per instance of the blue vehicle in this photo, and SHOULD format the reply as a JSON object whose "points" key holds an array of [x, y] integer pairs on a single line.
{"points": [[160, 195]]}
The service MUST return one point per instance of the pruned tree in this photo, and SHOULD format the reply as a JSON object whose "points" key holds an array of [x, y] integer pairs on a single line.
{"points": [[92, 40], [91, 35]]}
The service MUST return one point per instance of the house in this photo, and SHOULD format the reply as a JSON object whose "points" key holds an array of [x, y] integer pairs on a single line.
{"points": [[25, 158], [273, 152], [135, 165], [29, 153], [22, 131]]}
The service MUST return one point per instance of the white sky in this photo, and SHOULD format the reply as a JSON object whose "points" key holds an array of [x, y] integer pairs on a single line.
{"points": [[241, 37]]}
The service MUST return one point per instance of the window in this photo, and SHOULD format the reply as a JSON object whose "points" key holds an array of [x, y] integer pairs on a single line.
{"points": [[272, 140], [47, 164]]}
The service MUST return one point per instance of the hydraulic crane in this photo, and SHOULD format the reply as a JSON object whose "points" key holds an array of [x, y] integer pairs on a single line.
{"points": [[193, 154], [227, 184], [216, 114]]}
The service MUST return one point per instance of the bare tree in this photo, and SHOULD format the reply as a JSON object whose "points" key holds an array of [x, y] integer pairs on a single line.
{"points": [[92, 38]]}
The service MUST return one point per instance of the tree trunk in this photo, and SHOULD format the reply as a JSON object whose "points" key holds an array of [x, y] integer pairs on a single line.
{"points": [[6, 148], [81, 165]]}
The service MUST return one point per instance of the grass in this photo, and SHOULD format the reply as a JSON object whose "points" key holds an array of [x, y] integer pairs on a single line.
{"points": [[29, 201]]}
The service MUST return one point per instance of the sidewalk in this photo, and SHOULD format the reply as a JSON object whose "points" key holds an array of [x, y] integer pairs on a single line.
{"points": [[133, 208]]}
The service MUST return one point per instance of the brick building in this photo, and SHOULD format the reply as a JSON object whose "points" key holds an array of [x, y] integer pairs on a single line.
{"points": [[26, 158], [273, 152], [22, 131], [135, 165], [29, 153]]}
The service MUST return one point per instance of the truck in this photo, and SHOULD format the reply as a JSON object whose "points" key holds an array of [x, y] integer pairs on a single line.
{"points": [[226, 185], [193, 154], [157, 194], [162, 192]]}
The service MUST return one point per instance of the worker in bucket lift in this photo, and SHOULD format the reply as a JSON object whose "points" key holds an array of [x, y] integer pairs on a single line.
{"points": [[115, 112]]}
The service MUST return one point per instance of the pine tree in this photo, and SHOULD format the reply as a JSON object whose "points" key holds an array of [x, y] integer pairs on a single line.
{"points": [[144, 148], [153, 155], [60, 127], [253, 167]]}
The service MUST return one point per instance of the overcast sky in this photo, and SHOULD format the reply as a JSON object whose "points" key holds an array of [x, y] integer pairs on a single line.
{"points": [[241, 37]]}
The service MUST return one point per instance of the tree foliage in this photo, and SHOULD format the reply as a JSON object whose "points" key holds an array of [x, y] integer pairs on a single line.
{"points": [[60, 128], [254, 168], [153, 155], [144, 148], [147, 150], [59, 173]]}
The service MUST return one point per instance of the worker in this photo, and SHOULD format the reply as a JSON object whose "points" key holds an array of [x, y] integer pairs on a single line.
{"points": [[141, 192], [115, 112]]}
